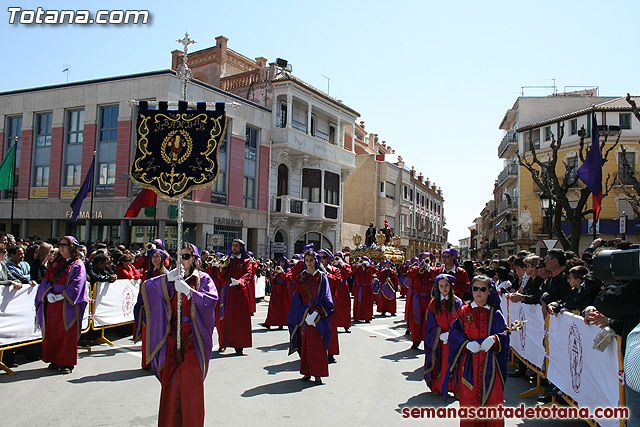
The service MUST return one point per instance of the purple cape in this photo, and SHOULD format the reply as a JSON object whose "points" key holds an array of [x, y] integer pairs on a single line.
{"points": [[299, 311], [156, 294], [432, 343], [75, 293], [495, 365]]}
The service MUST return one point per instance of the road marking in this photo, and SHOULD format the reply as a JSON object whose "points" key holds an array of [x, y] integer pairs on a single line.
{"points": [[382, 330]]}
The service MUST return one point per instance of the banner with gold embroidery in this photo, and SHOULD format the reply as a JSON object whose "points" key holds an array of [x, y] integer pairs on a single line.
{"points": [[176, 151]]}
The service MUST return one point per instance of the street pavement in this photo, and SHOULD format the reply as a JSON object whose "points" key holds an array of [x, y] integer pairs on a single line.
{"points": [[376, 377]]}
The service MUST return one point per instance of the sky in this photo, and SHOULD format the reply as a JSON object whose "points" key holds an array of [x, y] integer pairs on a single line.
{"points": [[432, 79]]}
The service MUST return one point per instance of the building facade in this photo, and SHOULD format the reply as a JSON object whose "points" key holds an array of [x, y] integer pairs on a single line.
{"points": [[58, 129], [310, 145], [617, 218]]}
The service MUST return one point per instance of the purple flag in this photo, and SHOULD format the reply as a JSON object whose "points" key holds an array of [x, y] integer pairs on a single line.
{"points": [[87, 185], [591, 170]]}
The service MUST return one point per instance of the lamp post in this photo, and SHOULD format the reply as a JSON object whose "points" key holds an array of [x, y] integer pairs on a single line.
{"points": [[547, 205]]}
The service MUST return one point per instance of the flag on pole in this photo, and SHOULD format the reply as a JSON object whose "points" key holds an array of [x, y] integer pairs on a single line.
{"points": [[7, 170], [87, 186], [144, 199], [591, 170]]}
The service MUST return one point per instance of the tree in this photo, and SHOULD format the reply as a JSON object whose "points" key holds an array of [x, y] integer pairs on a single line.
{"points": [[557, 188]]}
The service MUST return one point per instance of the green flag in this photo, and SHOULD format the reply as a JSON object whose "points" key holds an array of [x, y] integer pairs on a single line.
{"points": [[7, 170]]}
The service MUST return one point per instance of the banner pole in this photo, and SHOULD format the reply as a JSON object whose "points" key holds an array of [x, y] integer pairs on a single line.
{"points": [[185, 74]]}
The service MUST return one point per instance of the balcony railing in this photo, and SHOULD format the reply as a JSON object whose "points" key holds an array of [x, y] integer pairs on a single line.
{"points": [[510, 171], [510, 139], [506, 205], [244, 79], [290, 205]]}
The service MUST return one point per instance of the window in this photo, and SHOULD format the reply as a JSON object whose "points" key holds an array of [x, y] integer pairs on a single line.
{"points": [[73, 175], [219, 187], [107, 173], [572, 168], [283, 115], [332, 134], [381, 187], [75, 126], [249, 193], [574, 126], [250, 166], [411, 194], [626, 170], [311, 180], [547, 133], [251, 143], [313, 125], [42, 176], [422, 201], [625, 121], [43, 130], [405, 192], [13, 130], [391, 191], [109, 123], [73, 147], [331, 188], [533, 140]]}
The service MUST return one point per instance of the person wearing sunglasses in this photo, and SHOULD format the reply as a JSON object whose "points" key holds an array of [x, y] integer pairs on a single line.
{"points": [[61, 300], [479, 349], [181, 371]]}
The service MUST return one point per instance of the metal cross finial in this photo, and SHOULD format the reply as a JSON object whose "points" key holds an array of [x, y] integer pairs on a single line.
{"points": [[184, 73]]}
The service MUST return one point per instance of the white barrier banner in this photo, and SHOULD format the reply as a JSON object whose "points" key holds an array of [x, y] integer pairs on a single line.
{"points": [[115, 301], [504, 305], [260, 286], [18, 315], [528, 342], [588, 376]]}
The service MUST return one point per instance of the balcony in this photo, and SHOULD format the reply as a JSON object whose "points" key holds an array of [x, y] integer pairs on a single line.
{"points": [[505, 238], [298, 143], [289, 205], [507, 206], [509, 145], [510, 172], [323, 211]]}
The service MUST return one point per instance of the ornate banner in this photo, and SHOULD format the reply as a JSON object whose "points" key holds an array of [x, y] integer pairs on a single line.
{"points": [[177, 151], [528, 342], [115, 301]]}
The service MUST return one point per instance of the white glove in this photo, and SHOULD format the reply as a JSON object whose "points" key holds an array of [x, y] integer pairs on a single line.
{"points": [[51, 297], [172, 275], [311, 318], [366, 263], [473, 346], [235, 282], [444, 337], [487, 343], [183, 287]]}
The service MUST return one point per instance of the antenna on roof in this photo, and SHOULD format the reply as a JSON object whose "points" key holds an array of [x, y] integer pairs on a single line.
{"points": [[328, 81], [66, 70]]}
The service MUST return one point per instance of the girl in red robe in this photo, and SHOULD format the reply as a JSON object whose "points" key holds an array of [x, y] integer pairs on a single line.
{"points": [[181, 371], [388, 287], [479, 349], [440, 315]]}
